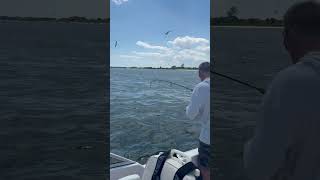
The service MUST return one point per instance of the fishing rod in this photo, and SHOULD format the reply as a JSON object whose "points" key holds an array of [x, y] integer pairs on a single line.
{"points": [[171, 83], [261, 90]]}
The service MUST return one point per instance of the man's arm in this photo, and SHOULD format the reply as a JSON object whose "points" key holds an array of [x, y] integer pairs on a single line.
{"points": [[195, 104]]}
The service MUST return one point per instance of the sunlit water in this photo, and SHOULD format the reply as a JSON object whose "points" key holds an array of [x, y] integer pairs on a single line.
{"points": [[146, 119]]}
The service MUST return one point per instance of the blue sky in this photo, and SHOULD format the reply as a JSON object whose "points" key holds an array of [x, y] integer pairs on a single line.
{"points": [[139, 27]]}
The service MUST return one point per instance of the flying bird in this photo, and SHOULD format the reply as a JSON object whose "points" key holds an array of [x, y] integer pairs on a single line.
{"points": [[116, 44], [167, 33]]}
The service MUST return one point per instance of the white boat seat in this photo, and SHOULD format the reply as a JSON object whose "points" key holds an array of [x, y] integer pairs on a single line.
{"points": [[173, 163], [131, 177]]}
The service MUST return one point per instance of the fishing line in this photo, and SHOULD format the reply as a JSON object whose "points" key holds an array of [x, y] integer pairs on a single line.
{"points": [[261, 90], [170, 82]]}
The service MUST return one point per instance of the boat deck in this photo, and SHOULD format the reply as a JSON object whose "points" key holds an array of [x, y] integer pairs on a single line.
{"points": [[121, 167], [118, 161]]}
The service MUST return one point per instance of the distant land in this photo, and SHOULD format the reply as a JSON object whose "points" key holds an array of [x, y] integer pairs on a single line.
{"points": [[72, 19], [231, 19], [218, 21], [172, 68], [235, 21]]}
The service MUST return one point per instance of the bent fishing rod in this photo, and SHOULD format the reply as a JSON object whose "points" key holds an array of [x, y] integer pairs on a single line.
{"points": [[261, 90]]}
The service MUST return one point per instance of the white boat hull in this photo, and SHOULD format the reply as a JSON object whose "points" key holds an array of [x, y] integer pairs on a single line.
{"points": [[126, 167]]}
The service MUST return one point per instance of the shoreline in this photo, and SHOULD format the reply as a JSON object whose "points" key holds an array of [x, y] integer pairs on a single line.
{"points": [[141, 68], [246, 26], [57, 22]]}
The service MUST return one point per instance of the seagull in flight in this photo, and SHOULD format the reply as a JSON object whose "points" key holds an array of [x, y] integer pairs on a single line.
{"points": [[167, 33]]}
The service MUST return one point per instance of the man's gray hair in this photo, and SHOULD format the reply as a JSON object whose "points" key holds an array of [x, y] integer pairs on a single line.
{"points": [[204, 67]]}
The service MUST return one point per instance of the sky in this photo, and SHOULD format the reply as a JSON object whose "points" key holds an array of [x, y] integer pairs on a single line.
{"points": [[252, 8], [100, 8], [139, 27], [55, 8]]}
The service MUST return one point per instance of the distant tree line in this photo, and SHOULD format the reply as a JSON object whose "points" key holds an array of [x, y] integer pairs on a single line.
{"points": [[172, 67], [48, 19], [226, 21], [232, 19]]}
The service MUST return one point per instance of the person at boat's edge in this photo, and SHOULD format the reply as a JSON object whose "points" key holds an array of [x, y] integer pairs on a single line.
{"points": [[286, 143], [199, 107]]}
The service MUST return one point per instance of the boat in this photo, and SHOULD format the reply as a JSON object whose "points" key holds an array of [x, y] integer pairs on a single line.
{"points": [[122, 168]]}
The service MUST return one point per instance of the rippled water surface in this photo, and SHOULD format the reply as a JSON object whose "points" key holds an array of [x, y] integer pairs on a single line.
{"points": [[52, 100], [145, 119]]}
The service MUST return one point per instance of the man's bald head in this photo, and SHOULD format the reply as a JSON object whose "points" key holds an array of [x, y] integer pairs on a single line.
{"points": [[302, 29], [204, 70]]}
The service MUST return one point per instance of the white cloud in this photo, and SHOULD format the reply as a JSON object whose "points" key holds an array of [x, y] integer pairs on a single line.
{"points": [[193, 54], [147, 53], [119, 2], [130, 57], [148, 46], [187, 50], [205, 49], [152, 54], [188, 42]]}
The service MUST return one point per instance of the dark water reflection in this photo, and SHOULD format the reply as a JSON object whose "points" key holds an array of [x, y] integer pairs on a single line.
{"points": [[254, 55], [52, 94]]}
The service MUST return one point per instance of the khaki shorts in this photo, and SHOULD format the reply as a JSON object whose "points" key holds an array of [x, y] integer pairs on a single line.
{"points": [[204, 154]]}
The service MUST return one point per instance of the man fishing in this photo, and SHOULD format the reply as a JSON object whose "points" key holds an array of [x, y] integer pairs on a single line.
{"points": [[286, 142], [199, 107]]}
